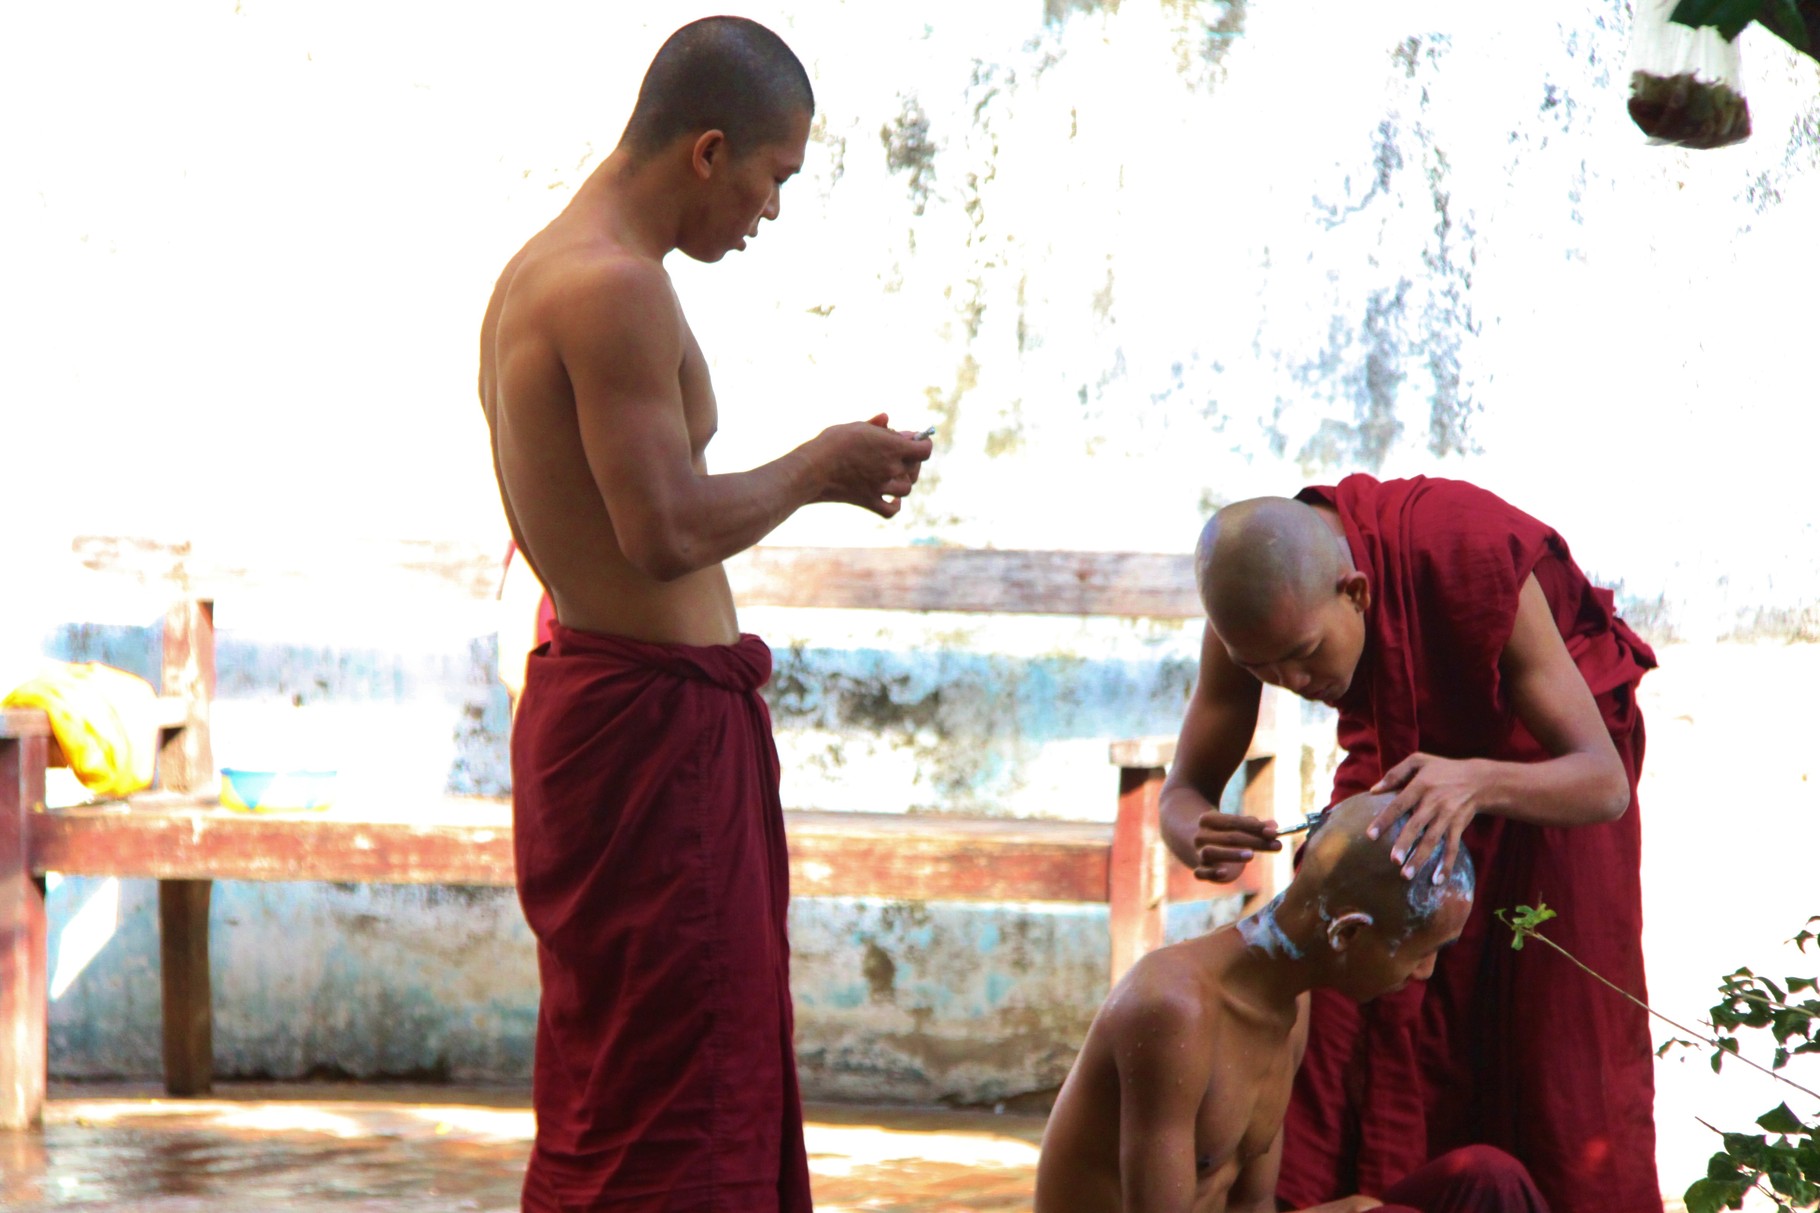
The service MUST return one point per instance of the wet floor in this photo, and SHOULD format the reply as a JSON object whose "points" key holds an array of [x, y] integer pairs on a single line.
{"points": [[378, 1149]]}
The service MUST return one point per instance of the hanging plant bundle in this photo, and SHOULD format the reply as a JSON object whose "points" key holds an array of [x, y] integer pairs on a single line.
{"points": [[1687, 111], [1686, 84]]}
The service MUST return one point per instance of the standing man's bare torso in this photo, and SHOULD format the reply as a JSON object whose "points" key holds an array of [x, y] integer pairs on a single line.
{"points": [[553, 499]]}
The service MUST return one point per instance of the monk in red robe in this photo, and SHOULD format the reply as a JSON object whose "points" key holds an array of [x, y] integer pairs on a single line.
{"points": [[649, 837], [1479, 676], [1176, 1100]]}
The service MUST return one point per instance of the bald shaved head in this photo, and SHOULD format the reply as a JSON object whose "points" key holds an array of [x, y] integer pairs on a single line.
{"points": [[1260, 558], [1343, 869]]}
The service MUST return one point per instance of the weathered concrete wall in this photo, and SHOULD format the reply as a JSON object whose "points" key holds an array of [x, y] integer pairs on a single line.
{"points": [[964, 1003]]}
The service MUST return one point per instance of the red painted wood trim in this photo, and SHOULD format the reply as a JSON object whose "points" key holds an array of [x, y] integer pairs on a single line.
{"points": [[831, 854], [1139, 872], [23, 1007]]}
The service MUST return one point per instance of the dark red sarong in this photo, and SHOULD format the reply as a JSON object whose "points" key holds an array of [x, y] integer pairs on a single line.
{"points": [[1515, 1049], [653, 871], [1472, 1179]]}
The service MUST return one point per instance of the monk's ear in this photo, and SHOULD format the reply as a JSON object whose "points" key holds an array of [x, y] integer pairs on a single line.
{"points": [[1357, 589], [1344, 931], [709, 148]]}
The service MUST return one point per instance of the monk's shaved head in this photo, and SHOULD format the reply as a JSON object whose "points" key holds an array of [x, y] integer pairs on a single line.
{"points": [[1344, 870], [1260, 558]]}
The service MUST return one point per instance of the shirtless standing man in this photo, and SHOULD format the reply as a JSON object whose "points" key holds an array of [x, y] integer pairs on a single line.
{"points": [[1177, 1098], [650, 849]]}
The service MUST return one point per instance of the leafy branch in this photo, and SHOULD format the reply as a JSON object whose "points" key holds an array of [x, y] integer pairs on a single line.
{"points": [[1787, 1169], [1796, 22], [1525, 919]]}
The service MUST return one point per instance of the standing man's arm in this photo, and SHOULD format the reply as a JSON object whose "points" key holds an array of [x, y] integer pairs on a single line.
{"points": [[622, 346], [1583, 782], [1216, 732]]}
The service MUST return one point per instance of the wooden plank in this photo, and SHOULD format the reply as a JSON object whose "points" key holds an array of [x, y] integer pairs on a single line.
{"points": [[23, 722], [1183, 885], [1133, 584], [831, 854], [24, 1038], [295, 565], [174, 838], [186, 761], [946, 859], [183, 951]]}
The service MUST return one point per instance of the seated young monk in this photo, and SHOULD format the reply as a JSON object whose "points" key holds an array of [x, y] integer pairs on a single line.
{"points": [[1176, 1101]]}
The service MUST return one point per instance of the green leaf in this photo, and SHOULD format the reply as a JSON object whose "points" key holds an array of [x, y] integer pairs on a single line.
{"points": [[1780, 1060], [1783, 19], [1798, 984], [1727, 1044], [1782, 1120], [1711, 1195], [1729, 16], [1791, 1022]]}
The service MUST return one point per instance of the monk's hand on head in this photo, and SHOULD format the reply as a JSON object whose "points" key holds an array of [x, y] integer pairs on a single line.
{"points": [[1440, 797], [1224, 843], [868, 464]]}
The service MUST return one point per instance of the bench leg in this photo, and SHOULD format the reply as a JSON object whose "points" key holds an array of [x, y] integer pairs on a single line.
{"points": [[1140, 868], [183, 940], [24, 1027]]}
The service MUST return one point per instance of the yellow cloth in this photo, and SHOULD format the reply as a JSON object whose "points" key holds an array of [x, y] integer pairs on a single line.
{"points": [[105, 719]]}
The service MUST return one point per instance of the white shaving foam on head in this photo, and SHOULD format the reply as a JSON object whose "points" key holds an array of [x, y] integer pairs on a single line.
{"points": [[1263, 933]]}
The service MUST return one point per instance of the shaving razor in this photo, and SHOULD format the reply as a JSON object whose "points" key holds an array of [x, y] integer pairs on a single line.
{"points": [[1311, 823]]}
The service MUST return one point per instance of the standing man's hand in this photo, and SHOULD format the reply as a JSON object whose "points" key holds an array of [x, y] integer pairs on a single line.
{"points": [[865, 463], [1225, 843], [1440, 796]]}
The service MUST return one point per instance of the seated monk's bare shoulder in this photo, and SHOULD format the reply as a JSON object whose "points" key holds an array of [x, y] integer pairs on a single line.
{"points": [[1179, 1090], [592, 381]]}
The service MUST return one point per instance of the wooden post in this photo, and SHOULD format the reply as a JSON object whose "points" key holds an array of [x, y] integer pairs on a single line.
{"points": [[186, 759], [1140, 873], [186, 763], [183, 957], [24, 1048]]}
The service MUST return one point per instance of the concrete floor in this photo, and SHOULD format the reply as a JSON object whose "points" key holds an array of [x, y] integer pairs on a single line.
{"points": [[387, 1149]]}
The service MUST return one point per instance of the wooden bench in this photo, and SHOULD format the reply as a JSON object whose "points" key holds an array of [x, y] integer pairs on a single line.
{"points": [[180, 837]]}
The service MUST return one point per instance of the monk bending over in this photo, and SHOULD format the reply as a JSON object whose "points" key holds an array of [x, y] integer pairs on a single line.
{"points": [[650, 840], [1176, 1101], [1479, 675]]}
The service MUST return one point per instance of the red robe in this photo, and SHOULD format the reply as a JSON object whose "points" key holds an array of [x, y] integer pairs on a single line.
{"points": [[1515, 1049], [653, 871]]}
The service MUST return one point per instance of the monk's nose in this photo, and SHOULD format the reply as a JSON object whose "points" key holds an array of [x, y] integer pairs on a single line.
{"points": [[1295, 680]]}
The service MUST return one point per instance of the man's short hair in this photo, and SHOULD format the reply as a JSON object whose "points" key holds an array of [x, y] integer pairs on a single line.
{"points": [[720, 73]]}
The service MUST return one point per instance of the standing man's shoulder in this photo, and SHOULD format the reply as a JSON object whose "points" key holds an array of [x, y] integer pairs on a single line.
{"points": [[608, 298]]}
